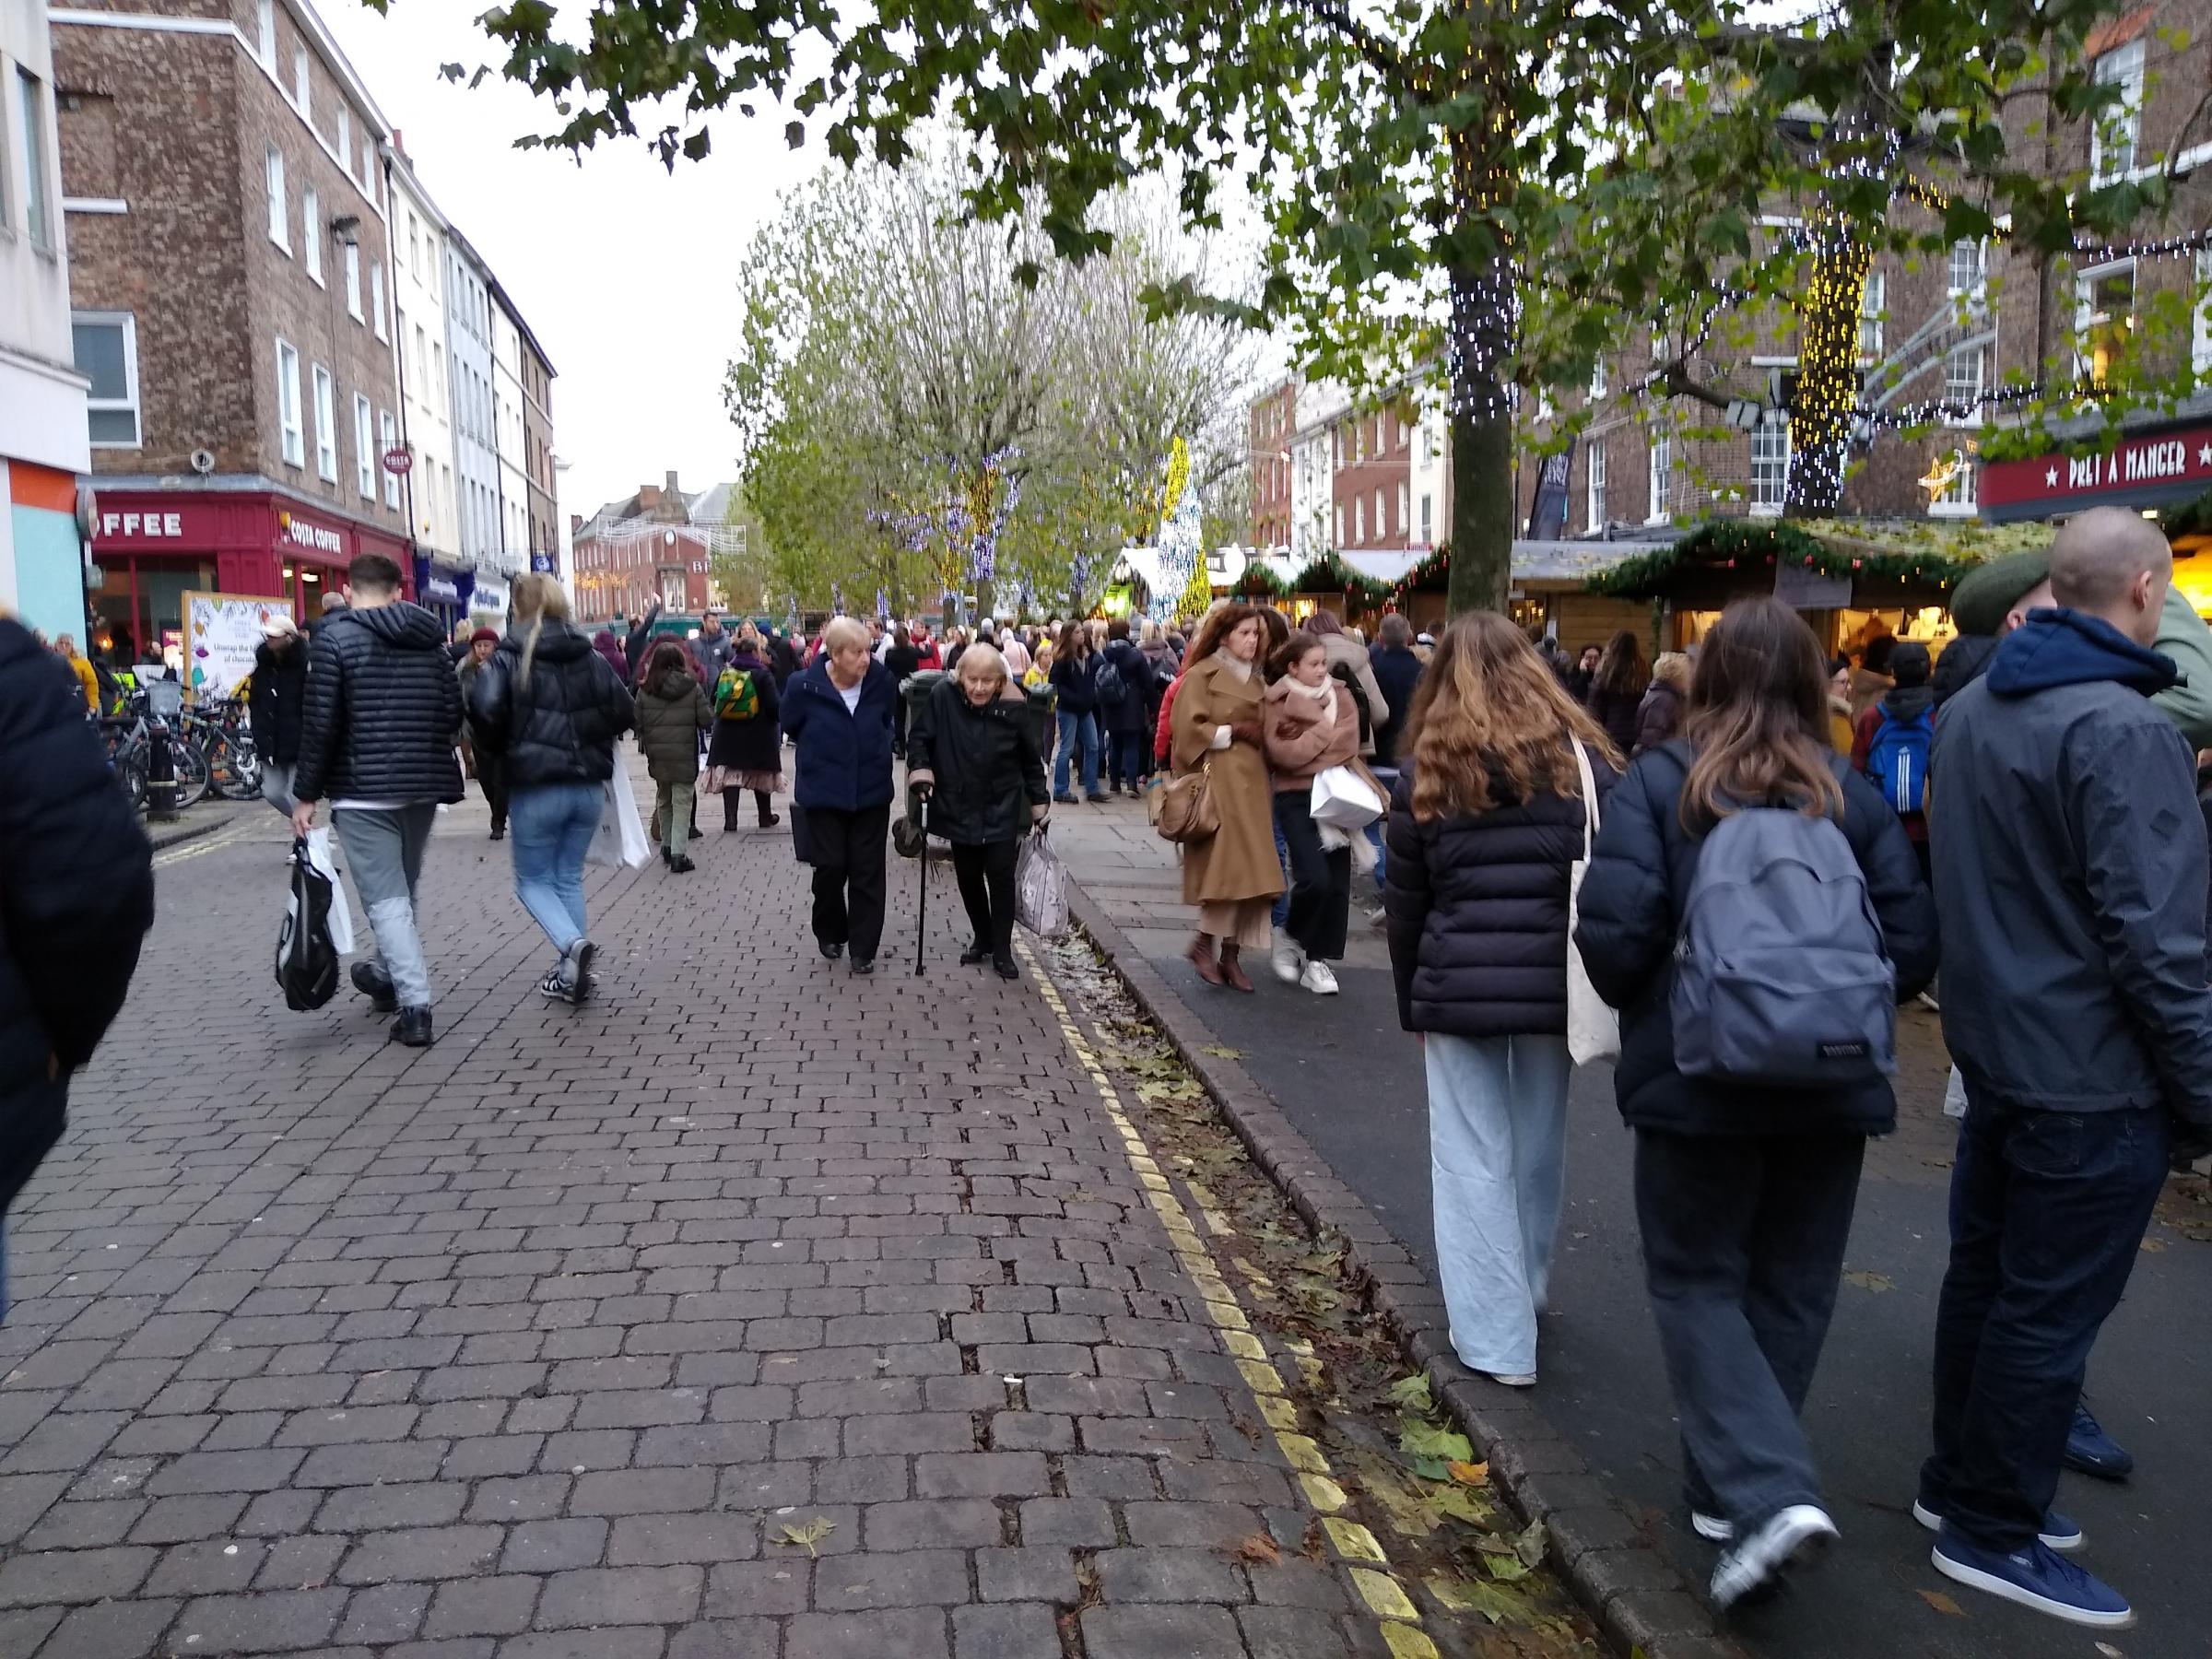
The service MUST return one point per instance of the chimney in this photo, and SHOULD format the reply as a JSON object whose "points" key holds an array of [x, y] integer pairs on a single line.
{"points": [[672, 487], [649, 497]]}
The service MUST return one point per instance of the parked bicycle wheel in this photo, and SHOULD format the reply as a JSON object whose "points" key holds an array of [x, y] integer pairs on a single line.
{"points": [[192, 777], [233, 771]]}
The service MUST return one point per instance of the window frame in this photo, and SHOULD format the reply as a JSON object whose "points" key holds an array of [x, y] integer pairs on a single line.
{"points": [[291, 416], [1971, 291], [264, 14], [1428, 519], [387, 440], [1594, 487], [1597, 379], [39, 202], [353, 281], [1874, 304], [303, 81], [1381, 518], [1962, 498], [1953, 381], [279, 204], [2200, 316], [364, 446], [345, 145], [310, 242], [2087, 317], [376, 299], [326, 424], [2122, 66], [127, 322], [1778, 469], [1359, 518], [1659, 478]]}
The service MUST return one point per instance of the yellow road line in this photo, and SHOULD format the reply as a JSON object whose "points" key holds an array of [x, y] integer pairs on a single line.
{"points": [[1378, 1584], [227, 836]]}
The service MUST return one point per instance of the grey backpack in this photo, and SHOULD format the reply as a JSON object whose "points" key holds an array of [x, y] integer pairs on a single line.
{"points": [[1780, 975]]}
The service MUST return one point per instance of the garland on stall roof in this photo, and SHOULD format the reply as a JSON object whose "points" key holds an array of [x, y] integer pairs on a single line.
{"points": [[1726, 543], [1326, 573], [2193, 517]]}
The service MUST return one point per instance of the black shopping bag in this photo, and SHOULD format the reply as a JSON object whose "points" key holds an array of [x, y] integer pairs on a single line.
{"points": [[801, 838], [307, 962]]}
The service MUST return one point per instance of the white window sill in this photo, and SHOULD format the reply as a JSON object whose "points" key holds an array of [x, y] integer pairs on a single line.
{"points": [[1765, 509], [284, 248], [117, 443], [316, 277], [1954, 510]]}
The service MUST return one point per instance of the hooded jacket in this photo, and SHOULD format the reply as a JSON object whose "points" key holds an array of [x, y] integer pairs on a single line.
{"points": [[382, 709], [2069, 856], [672, 711], [76, 896], [1903, 704], [608, 646], [277, 703], [1631, 916], [981, 764], [561, 726]]}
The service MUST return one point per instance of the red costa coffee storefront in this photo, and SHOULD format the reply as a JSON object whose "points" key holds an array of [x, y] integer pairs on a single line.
{"points": [[153, 545]]}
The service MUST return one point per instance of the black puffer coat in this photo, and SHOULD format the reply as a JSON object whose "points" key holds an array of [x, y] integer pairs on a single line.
{"points": [[1135, 671], [277, 702], [983, 762], [1476, 911], [76, 896], [384, 708], [561, 727], [1631, 913]]}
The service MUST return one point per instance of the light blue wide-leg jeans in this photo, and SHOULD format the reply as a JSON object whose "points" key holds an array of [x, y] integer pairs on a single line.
{"points": [[1498, 1169]]}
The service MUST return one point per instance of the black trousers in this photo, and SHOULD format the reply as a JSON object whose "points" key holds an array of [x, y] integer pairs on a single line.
{"points": [[730, 798], [1320, 880], [491, 777], [848, 850], [987, 878]]}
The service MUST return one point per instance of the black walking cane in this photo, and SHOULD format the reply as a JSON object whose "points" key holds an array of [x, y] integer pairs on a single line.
{"points": [[922, 874]]}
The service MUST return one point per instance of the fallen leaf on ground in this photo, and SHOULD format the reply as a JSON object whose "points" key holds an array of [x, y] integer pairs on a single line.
{"points": [[1220, 1052], [2153, 1245], [1944, 1605], [1411, 1393], [808, 1536], [1530, 1546], [1469, 1474], [1870, 1281], [1260, 1550], [1426, 1440], [1499, 1603], [1506, 1569]]}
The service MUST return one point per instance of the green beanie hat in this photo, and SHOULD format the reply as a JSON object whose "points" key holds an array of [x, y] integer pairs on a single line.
{"points": [[1985, 593]]}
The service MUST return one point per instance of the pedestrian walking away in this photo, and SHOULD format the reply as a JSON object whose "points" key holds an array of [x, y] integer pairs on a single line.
{"points": [[275, 705], [904, 662], [1486, 822], [1397, 671], [1616, 690], [76, 902], [549, 708], [1660, 712], [745, 749], [383, 714], [671, 711], [1890, 743], [838, 714], [2070, 874], [1074, 675], [1745, 1187], [491, 774], [974, 758], [1122, 686], [1309, 726], [1233, 876]]}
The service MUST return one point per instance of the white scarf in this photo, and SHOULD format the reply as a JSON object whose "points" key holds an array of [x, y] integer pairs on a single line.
{"points": [[1240, 666], [1324, 694]]}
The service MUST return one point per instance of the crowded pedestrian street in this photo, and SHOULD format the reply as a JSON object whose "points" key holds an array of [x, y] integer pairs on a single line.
{"points": [[752, 1309]]}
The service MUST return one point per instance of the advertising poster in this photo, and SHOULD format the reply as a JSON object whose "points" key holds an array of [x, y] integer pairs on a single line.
{"points": [[220, 633]]}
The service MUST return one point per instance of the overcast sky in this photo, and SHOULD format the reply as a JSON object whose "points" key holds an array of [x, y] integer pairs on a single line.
{"points": [[626, 274]]}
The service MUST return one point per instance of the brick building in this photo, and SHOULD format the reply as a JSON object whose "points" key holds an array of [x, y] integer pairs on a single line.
{"points": [[644, 546], [538, 467], [1372, 481], [1273, 420], [228, 226]]}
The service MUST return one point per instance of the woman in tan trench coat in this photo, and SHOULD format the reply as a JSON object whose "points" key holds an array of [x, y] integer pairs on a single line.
{"points": [[1233, 878]]}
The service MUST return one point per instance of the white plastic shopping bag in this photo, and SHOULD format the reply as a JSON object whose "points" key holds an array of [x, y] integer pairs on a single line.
{"points": [[620, 839], [1592, 1029], [1954, 1095], [1344, 800], [341, 918], [1041, 887]]}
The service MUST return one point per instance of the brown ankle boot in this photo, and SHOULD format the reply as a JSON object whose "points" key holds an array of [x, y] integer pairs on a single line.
{"points": [[1233, 970], [1201, 958]]}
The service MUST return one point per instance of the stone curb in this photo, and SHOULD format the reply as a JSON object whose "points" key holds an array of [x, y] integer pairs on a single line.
{"points": [[172, 835], [1644, 1607]]}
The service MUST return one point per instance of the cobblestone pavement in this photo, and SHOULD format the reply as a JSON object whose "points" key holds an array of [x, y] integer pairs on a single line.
{"points": [[545, 1343]]}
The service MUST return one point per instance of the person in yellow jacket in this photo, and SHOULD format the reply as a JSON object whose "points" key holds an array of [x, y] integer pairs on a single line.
{"points": [[65, 647]]}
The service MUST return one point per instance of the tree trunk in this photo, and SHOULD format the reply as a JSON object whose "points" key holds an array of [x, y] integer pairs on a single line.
{"points": [[986, 596], [1482, 442], [1826, 399]]}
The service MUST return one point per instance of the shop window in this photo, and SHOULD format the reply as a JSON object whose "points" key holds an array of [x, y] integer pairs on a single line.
{"points": [[287, 404], [1873, 305], [364, 448], [1770, 469], [326, 426], [2118, 126], [106, 346], [311, 231], [1594, 487], [388, 439], [2104, 318]]}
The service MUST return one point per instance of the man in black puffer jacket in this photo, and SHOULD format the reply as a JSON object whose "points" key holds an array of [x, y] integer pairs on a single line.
{"points": [[383, 713], [76, 896]]}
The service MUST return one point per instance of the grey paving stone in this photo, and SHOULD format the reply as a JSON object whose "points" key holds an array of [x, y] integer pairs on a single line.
{"points": [[912, 1632], [620, 1595]]}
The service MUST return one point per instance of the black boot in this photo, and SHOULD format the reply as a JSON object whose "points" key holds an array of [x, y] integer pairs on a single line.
{"points": [[768, 820], [413, 1027], [370, 979], [1004, 963], [976, 952]]}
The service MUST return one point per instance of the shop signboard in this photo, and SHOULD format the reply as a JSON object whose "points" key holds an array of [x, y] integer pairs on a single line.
{"points": [[2140, 470], [489, 599], [220, 633]]}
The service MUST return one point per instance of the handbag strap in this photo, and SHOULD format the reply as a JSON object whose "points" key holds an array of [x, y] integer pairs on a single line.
{"points": [[1582, 763]]}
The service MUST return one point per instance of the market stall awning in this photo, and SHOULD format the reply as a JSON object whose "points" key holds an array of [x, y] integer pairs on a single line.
{"points": [[1821, 563]]}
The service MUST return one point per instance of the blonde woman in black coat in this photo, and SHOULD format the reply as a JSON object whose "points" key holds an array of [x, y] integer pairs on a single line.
{"points": [[1487, 818]]}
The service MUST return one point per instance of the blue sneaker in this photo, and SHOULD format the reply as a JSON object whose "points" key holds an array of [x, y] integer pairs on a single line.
{"points": [[2035, 1577], [2091, 1451], [2059, 1532]]}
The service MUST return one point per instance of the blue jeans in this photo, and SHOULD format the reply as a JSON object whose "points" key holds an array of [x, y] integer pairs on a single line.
{"points": [[1279, 913], [1125, 757], [1077, 731], [1388, 777], [1742, 1252], [551, 826], [1497, 1175], [2048, 1209]]}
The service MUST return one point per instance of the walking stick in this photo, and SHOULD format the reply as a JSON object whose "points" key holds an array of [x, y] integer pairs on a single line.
{"points": [[922, 874]]}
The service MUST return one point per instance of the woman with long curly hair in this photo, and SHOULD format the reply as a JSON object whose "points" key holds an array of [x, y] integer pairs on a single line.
{"points": [[1486, 819], [1234, 876], [1743, 1191], [1616, 690]]}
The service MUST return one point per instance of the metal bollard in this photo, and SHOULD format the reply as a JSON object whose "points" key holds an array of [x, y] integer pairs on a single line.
{"points": [[161, 789]]}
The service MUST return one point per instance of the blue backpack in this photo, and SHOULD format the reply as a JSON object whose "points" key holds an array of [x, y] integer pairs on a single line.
{"points": [[1897, 760]]}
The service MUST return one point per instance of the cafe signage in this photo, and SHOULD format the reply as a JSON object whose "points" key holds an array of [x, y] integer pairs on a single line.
{"points": [[2147, 463]]}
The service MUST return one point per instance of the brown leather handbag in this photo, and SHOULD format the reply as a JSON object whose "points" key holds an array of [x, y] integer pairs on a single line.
{"points": [[1187, 812]]}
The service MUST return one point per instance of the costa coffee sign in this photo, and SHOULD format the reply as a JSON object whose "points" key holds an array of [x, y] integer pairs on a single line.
{"points": [[2151, 461], [316, 538]]}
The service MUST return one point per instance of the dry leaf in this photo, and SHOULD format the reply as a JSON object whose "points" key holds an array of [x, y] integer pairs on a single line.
{"points": [[808, 1536], [1260, 1550], [1220, 1052], [1469, 1474], [1870, 1281], [1530, 1546], [1943, 1604], [2153, 1245]]}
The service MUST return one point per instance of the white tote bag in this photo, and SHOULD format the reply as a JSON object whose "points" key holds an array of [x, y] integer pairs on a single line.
{"points": [[620, 839], [1344, 799], [341, 916], [1592, 1029]]}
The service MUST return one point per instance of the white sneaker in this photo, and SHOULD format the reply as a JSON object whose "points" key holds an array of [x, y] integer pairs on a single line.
{"points": [[1318, 978], [1289, 960], [1714, 1529], [1795, 1536]]}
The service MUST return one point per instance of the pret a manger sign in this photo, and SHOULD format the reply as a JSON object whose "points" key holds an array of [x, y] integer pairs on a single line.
{"points": [[2154, 462]]}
